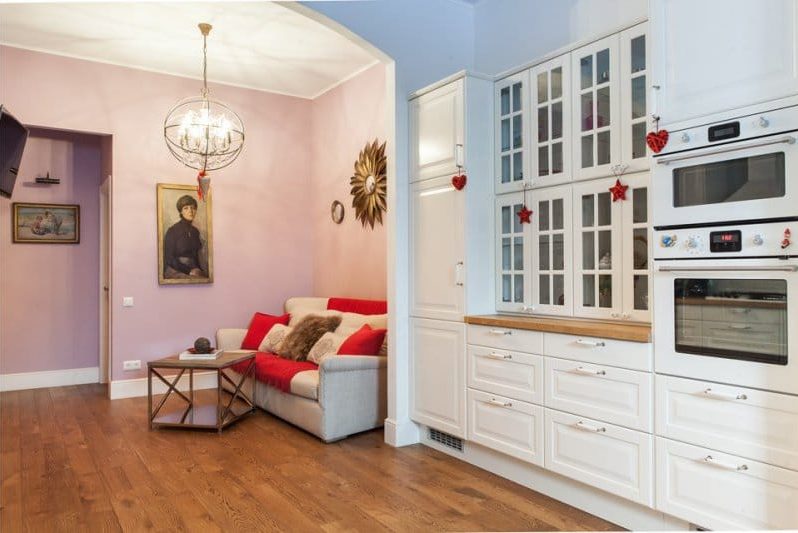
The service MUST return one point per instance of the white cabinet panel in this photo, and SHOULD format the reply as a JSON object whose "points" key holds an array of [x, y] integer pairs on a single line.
{"points": [[637, 248], [550, 150], [437, 370], [602, 392], [610, 458], [746, 422], [511, 133], [506, 425], [437, 133], [512, 374], [521, 340], [513, 286], [635, 91], [600, 351], [719, 491], [552, 251]]}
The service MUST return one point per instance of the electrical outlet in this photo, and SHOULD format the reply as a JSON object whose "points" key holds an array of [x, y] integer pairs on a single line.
{"points": [[127, 301], [131, 365]]}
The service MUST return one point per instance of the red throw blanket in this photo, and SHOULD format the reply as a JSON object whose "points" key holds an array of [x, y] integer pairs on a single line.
{"points": [[274, 370]]}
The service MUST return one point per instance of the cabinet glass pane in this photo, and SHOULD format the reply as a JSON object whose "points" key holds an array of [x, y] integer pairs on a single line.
{"points": [[517, 97], [559, 289], [558, 251], [604, 209], [556, 83], [543, 216], [640, 205], [543, 87], [517, 228], [556, 158], [544, 289], [518, 166], [586, 71], [557, 214], [603, 66], [587, 210], [587, 151], [506, 262], [639, 97], [543, 252], [603, 107], [519, 288], [543, 161], [506, 218], [588, 290], [588, 250], [506, 287], [603, 148], [638, 54], [543, 124], [605, 250], [640, 248], [505, 169], [518, 253], [587, 111], [556, 120], [605, 290], [638, 140], [517, 132], [505, 100], [641, 292], [505, 134]]}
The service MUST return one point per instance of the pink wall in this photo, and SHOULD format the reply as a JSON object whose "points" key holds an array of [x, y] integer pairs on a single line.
{"points": [[350, 259], [48, 288]]}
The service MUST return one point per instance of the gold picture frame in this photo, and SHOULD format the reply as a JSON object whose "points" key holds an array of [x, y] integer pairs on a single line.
{"points": [[45, 223], [369, 184], [185, 239]]}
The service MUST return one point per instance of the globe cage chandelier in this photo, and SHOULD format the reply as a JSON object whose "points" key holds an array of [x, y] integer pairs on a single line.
{"points": [[203, 133]]}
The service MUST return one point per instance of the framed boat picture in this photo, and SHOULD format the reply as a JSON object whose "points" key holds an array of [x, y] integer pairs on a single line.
{"points": [[45, 223], [185, 236]]}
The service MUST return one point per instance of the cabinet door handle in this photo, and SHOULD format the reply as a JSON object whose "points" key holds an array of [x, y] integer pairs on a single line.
{"points": [[587, 427], [458, 155], [709, 393], [497, 403], [458, 274], [738, 326], [494, 355], [594, 344], [588, 372], [726, 466], [500, 332]]}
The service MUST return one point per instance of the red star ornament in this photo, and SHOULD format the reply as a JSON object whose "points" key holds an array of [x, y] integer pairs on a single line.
{"points": [[618, 191], [523, 215]]}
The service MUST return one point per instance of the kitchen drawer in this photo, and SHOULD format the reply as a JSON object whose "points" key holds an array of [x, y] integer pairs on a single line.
{"points": [[506, 425], [513, 374], [506, 338], [719, 491], [746, 422], [607, 393], [608, 457], [634, 355]]}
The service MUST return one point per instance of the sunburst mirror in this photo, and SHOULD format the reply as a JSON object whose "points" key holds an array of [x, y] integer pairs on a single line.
{"points": [[369, 184]]}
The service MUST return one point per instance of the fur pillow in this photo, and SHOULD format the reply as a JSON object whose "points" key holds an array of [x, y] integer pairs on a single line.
{"points": [[328, 344], [272, 341], [298, 343]]}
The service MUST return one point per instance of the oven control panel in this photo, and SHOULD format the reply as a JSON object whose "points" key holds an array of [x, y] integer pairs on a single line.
{"points": [[755, 240]]}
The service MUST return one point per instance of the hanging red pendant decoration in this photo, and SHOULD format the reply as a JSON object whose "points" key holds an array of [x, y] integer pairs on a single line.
{"points": [[618, 191], [524, 214], [657, 140], [203, 184], [459, 181]]}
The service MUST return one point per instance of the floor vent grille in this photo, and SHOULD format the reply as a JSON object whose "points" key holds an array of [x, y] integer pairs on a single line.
{"points": [[447, 440]]}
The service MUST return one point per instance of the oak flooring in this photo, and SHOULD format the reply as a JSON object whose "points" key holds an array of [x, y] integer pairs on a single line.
{"points": [[72, 460]]}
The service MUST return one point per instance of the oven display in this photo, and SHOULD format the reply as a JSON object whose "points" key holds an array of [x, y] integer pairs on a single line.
{"points": [[722, 132], [725, 241]]}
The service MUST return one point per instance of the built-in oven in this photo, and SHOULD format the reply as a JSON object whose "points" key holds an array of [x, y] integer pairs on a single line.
{"points": [[744, 169], [726, 305]]}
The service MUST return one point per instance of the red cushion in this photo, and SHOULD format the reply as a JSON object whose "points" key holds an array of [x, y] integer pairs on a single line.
{"points": [[259, 326], [275, 370], [353, 305], [365, 341]]}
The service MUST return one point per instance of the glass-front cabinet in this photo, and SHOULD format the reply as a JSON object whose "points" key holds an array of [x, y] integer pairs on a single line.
{"points": [[513, 261], [551, 113], [551, 251], [635, 88], [510, 134]]}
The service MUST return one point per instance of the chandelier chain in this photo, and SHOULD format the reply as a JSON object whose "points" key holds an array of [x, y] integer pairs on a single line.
{"points": [[204, 64]]}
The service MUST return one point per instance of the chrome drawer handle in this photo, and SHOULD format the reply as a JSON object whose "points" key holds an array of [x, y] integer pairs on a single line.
{"points": [[709, 393], [497, 403], [494, 355], [726, 466], [588, 372], [594, 344], [587, 427], [500, 332]]}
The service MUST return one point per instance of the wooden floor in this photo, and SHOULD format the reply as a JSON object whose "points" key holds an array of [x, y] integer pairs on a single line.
{"points": [[74, 461]]}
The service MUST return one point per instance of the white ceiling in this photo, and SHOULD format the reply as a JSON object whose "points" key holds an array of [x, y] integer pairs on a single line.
{"points": [[260, 45]]}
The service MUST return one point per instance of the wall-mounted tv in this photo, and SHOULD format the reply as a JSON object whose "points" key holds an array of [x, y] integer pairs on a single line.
{"points": [[13, 136]]}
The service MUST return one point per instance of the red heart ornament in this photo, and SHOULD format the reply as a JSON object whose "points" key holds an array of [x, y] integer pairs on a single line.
{"points": [[657, 140], [459, 181]]}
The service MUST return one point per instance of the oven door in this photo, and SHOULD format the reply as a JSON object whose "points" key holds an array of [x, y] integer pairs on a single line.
{"points": [[743, 180], [735, 322]]}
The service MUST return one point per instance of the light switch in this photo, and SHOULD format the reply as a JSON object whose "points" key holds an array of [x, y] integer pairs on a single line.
{"points": [[127, 301]]}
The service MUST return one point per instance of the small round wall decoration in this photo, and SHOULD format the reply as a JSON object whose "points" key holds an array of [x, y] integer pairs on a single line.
{"points": [[369, 184], [337, 212]]}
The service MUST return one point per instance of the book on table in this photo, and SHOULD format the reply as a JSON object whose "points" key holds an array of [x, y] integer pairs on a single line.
{"points": [[191, 355]]}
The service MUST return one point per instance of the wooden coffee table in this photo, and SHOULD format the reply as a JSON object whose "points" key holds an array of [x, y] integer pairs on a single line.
{"points": [[216, 416]]}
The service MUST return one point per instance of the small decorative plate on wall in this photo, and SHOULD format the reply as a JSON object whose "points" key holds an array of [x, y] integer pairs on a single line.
{"points": [[337, 212]]}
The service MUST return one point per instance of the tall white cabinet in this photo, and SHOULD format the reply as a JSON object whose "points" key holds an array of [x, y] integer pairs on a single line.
{"points": [[450, 241]]}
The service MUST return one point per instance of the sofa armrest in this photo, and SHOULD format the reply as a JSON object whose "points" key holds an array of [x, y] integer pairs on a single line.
{"points": [[349, 363], [230, 338]]}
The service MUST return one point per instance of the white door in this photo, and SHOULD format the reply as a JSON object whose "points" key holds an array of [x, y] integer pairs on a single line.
{"points": [[513, 287], [436, 132], [551, 250], [437, 374], [437, 249], [636, 255], [551, 118], [635, 88], [511, 136], [717, 55]]}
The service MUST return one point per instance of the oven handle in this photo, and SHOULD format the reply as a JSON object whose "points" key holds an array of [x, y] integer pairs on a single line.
{"points": [[664, 160], [727, 268]]}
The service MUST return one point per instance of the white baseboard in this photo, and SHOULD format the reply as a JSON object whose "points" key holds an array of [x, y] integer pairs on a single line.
{"points": [[49, 378], [401, 434], [132, 388]]}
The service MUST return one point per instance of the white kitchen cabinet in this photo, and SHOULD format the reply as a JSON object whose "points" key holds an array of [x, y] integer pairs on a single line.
{"points": [[720, 56], [437, 132], [437, 372], [636, 248], [506, 425], [513, 271], [550, 103], [551, 250], [635, 81], [511, 132], [513, 374]]}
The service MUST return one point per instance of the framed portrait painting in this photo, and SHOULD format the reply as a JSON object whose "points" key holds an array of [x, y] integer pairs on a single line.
{"points": [[45, 223], [185, 236]]}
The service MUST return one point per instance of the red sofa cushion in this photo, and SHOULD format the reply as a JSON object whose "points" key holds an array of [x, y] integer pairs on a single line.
{"points": [[365, 341], [353, 305], [275, 370], [259, 326]]}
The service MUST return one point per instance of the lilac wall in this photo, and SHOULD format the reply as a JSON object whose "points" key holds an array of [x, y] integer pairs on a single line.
{"points": [[350, 259], [49, 311]]}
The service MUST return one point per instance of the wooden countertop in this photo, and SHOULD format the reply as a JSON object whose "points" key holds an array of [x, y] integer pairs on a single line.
{"points": [[571, 326]]}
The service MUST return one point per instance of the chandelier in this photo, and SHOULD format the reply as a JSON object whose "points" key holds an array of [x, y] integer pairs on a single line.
{"points": [[203, 133]]}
